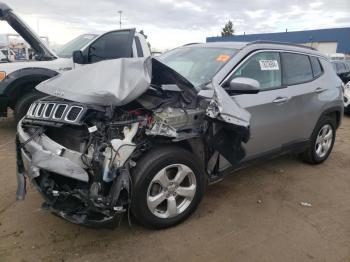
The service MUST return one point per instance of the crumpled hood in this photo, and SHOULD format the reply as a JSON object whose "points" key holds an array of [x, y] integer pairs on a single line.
{"points": [[112, 82]]}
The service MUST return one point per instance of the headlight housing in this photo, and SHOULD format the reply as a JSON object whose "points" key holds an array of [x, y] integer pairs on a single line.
{"points": [[2, 75]]}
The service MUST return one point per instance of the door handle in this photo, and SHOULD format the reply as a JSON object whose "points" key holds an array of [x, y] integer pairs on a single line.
{"points": [[319, 90], [281, 99]]}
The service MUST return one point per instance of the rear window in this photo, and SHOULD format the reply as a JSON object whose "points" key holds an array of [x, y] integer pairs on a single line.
{"points": [[316, 66], [296, 69]]}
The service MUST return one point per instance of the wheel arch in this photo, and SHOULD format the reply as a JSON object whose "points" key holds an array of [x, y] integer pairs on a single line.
{"points": [[23, 81], [335, 113], [196, 146]]}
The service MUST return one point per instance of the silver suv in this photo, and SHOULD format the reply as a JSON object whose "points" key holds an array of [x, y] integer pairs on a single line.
{"points": [[146, 135]]}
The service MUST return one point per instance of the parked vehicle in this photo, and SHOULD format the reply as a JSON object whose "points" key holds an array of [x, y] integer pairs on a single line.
{"points": [[19, 79], [342, 69], [9, 54], [346, 91], [3, 58], [146, 135]]}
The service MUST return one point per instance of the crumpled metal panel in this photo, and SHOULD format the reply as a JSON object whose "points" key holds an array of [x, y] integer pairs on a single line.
{"points": [[112, 82], [224, 107], [43, 158]]}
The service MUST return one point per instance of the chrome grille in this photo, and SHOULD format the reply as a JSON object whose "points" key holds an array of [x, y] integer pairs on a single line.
{"points": [[73, 113], [33, 109], [59, 111], [40, 109], [48, 110], [51, 111]]}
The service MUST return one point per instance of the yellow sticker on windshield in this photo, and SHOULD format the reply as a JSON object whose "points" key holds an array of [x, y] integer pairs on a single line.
{"points": [[223, 58]]}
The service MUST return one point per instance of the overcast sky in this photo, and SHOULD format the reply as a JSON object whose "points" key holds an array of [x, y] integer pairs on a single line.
{"points": [[170, 23]]}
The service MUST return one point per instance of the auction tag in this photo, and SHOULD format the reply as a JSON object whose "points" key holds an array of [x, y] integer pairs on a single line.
{"points": [[269, 65], [223, 58]]}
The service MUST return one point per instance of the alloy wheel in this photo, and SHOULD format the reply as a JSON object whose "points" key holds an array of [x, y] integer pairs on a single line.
{"points": [[324, 141], [171, 191]]}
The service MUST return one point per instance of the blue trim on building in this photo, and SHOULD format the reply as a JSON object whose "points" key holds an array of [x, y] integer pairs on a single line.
{"points": [[339, 35]]}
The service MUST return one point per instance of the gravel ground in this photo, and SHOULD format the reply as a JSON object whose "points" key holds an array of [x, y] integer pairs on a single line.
{"points": [[253, 215]]}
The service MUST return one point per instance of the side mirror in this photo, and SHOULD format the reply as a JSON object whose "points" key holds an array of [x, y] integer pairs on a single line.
{"points": [[243, 85], [78, 57]]}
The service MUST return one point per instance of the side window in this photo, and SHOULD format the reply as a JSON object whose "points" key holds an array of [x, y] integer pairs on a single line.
{"points": [[110, 46], [265, 67], [316, 66], [296, 69]]}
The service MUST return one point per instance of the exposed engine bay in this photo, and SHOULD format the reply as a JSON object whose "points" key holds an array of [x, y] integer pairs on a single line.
{"points": [[80, 156]]}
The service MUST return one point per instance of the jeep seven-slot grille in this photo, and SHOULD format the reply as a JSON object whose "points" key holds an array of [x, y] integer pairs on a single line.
{"points": [[73, 113], [40, 109], [48, 110], [61, 112]]}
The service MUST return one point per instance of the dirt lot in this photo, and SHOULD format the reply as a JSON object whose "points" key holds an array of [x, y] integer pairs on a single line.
{"points": [[254, 215]]}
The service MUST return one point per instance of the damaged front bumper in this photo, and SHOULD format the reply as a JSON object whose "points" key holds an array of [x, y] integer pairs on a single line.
{"points": [[40, 152], [39, 159]]}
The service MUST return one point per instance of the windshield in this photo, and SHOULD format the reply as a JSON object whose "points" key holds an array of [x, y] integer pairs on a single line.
{"points": [[197, 64], [77, 43]]}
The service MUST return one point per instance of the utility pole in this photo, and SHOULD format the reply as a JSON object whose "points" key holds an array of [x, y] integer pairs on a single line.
{"points": [[120, 18]]}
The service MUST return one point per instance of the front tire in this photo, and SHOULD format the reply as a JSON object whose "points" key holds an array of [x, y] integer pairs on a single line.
{"points": [[168, 185], [322, 141]]}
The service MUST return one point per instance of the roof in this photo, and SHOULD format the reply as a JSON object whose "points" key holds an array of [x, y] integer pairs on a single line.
{"points": [[258, 45], [234, 45], [339, 35]]}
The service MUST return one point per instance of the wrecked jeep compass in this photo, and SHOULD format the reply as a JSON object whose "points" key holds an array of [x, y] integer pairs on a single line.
{"points": [[146, 135]]}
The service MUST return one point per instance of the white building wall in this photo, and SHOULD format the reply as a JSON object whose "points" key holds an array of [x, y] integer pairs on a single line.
{"points": [[324, 47]]}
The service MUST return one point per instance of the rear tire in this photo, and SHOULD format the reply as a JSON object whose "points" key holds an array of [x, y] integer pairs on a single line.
{"points": [[322, 141], [24, 103], [160, 181]]}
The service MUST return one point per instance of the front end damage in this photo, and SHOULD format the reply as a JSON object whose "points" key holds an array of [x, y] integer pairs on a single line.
{"points": [[80, 156]]}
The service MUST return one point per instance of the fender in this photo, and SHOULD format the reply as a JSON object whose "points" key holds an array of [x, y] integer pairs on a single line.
{"points": [[12, 85], [338, 110]]}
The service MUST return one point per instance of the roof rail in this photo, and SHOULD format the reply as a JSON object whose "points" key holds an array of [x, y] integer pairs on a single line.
{"points": [[280, 43], [192, 44]]}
